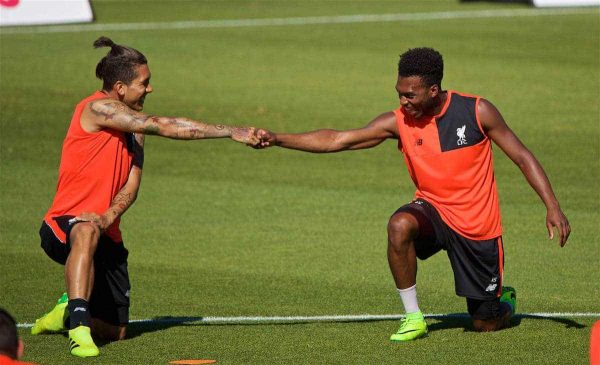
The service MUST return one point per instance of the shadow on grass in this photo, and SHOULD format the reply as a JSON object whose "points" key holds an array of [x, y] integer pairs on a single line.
{"points": [[569, 323], [442, 322], [135, 329], [463, 320]]}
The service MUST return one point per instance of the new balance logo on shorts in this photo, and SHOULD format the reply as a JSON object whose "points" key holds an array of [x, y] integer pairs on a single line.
{"points": [[492, 287]]}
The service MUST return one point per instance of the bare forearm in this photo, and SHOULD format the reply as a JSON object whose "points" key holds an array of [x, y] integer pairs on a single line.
{"points": [[319, 141], [119, 205], [555, 218], [128, 193], [184, 128], [116, 115], [535, 175]]}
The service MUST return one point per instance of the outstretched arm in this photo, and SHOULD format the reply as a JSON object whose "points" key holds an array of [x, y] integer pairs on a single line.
{"points": [[128, 193], [113, 114], [497, 129], [329, 140]]}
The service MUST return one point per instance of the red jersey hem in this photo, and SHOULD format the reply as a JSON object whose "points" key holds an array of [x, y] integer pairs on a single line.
{"points": [[489, 236]]}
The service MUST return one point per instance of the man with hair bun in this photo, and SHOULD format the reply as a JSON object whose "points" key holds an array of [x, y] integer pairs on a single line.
{"points": [[99, 177], [445, 137]]}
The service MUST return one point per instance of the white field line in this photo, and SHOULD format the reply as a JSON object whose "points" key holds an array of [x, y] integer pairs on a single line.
{"points": [[337, 19], [329, 318]]}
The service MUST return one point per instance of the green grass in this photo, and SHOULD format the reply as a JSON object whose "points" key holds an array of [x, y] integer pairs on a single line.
{"points": [[223, 230]]}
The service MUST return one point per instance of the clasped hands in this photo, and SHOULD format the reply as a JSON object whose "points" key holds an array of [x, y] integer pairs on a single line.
{"points": [[254, 137]]}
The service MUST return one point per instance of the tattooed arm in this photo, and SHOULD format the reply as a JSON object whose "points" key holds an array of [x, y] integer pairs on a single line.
{"points": [[113, 114], [128, 193]]}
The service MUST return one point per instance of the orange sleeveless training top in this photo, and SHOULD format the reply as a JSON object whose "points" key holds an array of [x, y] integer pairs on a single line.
{"points": [[93, 168], [449, 158]]}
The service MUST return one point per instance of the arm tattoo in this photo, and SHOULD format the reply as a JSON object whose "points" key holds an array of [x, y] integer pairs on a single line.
{"points": [[117, 115], [151, 128], [121, 203], [188, 129]]}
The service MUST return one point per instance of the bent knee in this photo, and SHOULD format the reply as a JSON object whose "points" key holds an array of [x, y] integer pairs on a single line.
{"points": [[116, 333], [481, 325], [107, 331], [85, 232], [403, 225]]}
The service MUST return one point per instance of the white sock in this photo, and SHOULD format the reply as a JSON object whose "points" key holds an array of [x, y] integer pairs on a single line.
{"points": [[409, 299]]}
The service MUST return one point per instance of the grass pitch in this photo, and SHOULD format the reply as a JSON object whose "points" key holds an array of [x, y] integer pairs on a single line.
{"points": [[223, 230]]}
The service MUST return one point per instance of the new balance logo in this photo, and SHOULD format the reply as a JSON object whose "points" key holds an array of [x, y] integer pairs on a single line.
{"points": [[79, 309], [491, 287], [460, 132]]}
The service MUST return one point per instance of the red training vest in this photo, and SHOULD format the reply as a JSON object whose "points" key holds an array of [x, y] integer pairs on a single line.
{"points": [[93, 169], [449, 158]]}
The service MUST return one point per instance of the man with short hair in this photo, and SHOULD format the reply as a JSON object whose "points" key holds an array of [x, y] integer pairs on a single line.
{"points": [[99, 177], [11, 346], [445, 137]]}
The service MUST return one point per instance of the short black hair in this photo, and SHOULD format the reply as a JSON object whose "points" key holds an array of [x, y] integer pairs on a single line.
{"points": [[9, 341], [119, 64], [424, 62]]}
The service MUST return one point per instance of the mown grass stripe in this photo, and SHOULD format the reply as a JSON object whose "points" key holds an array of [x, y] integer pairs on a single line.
{"points": [[333, 318], [263, 22]]}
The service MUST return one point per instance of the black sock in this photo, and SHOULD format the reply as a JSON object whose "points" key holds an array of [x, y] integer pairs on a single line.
{"points": [[79, 313]]}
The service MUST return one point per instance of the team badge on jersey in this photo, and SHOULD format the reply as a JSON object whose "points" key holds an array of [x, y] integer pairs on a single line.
{"points": [[458, 127], [460, 132]]}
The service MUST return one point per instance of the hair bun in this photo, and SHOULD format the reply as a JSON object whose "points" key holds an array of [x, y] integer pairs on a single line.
{"points": [[104, 42]]}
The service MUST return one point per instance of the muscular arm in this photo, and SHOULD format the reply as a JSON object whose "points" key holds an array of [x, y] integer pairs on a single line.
{"points": [[128, 193], [113, 114], [329, 140], [499, 132]]}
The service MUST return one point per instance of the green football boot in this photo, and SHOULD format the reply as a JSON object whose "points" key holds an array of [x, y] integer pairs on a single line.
{"points": [[81, 343], [412, 326], [53, 321], [509, 295]]}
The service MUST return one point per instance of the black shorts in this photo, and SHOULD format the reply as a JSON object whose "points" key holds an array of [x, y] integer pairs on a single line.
{"points": [[477, 265], [110, 296]]}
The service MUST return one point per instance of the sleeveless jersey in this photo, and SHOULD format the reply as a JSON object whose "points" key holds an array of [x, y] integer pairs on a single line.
{"points": [[93, 168], [449, 158]]}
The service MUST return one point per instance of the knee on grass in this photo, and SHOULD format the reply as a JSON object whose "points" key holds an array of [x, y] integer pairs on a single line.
{"points": [[488, 315], [107, 331]]}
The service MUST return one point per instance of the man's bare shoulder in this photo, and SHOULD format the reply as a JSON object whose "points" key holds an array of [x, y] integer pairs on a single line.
{"points": [[388, 117], [107, 105], [386, 121], [110, 113]]}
